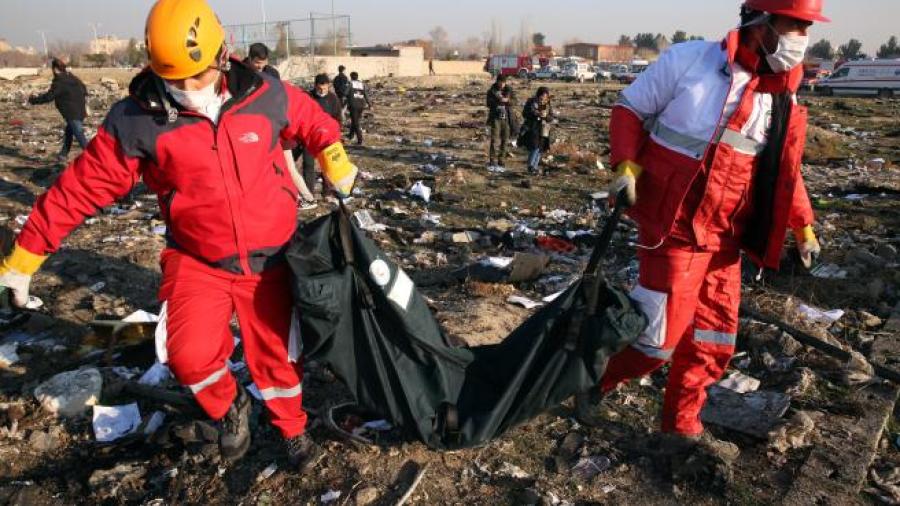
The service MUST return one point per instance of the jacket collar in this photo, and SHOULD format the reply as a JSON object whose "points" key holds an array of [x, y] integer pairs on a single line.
{"points": [[148, 90]]}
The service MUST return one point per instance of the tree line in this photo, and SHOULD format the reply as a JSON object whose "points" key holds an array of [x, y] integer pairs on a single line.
{"points": [[852, 50]]}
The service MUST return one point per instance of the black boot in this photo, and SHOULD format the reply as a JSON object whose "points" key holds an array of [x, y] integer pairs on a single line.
{"points": [[303, 453], [588, 407], [234, 439]]}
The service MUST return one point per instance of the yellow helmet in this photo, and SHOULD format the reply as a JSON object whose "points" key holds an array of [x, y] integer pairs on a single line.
{"points": [[183, 38]]}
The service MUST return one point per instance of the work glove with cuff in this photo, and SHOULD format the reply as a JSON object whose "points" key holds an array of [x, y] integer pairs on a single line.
{"points": [[338, 169], [807, 245], [16, 271], [625, 183]]}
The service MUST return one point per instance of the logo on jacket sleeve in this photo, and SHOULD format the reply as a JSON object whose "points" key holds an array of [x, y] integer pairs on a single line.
{"points": [[249, 138]]}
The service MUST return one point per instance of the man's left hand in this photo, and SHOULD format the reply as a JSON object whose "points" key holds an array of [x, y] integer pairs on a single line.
{"points": [[807, 245]]}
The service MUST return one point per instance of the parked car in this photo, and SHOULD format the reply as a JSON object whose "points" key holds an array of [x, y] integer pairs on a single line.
{"points": [[547, 72], [601, 74], [863, 77], [579, 72]]}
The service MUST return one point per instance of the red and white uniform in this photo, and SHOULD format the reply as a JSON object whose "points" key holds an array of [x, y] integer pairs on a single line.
{"points": [[230, 207], [696, 122]]}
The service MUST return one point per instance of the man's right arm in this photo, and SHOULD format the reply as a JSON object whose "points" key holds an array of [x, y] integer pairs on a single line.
{"points": [[647, 97], [45, 97], [96, 179]]}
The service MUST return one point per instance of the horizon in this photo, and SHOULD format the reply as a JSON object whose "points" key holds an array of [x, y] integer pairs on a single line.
{"points": [[387, 22]]}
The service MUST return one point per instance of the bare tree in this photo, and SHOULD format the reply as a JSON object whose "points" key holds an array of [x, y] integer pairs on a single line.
{"points": [[439, 42], [325, 45], [70, 52]]}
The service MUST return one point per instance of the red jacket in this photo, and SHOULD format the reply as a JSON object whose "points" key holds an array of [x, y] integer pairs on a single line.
{"points": [[697, 122], [223, 190]]}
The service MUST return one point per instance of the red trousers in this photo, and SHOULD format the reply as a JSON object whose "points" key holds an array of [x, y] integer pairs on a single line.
{"points": [[692, 298], [200, 302]]}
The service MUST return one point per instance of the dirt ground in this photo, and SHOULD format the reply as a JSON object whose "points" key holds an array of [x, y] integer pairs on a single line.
{"points": [[432, 130]]}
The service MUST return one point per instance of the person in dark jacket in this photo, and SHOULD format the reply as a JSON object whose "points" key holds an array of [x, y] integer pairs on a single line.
{"points": [[331, 104], [341, 85], [258, 58], [70, 95], [538, 114], [357, 102], [498, 121]]}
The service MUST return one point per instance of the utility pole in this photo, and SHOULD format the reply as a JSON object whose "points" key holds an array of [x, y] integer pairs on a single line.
{"points": [[44, 39], [262, 8], [334, 27]]}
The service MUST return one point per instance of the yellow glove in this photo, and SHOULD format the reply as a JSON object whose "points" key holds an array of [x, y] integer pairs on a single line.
{"points": [[626, 179], [338, 170], [16, 271], [807, 245]]}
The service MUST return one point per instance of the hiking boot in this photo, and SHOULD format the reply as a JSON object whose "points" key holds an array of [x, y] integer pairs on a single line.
{"points": [[234, 439], [303, 453], [589, 407], [705, 443]]}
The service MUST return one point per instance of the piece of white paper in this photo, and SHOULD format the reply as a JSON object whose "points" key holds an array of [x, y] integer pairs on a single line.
{"points": [[154, 422], [141, 316], [421, 190], [740, 383], [817, 315], [114, 422], [157, 374], [523, 301]]}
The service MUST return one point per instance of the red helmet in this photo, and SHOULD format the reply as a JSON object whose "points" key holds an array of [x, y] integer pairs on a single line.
{"points": [[807, 10]]}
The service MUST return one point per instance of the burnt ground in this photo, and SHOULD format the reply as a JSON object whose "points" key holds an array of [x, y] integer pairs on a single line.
{"points": [[432, 130]]}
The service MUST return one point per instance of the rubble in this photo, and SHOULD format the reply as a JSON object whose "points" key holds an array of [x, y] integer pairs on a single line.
{"points": [[795, 433], [472, 214]]}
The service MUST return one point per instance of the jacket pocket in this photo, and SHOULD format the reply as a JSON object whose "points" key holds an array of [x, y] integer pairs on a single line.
{"points": [[653, 305]]}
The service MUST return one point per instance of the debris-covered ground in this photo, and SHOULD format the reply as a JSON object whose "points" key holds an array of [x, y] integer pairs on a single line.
{"points": [[823, 431]]}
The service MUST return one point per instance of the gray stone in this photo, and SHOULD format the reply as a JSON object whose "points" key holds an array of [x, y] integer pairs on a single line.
{"points": [[875, 289], [44, 441], [887, 252], [753, 413], [70, 393], [366, 496]]}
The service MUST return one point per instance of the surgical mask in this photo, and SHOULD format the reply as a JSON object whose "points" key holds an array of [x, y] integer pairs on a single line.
{"points": [[204, 101], [790, 53]]}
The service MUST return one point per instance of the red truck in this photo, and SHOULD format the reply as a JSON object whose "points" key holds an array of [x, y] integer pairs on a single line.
{"points": [[511, 65]]}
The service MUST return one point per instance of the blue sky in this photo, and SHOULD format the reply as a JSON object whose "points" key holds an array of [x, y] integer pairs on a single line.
{"points": [[871, 21]]}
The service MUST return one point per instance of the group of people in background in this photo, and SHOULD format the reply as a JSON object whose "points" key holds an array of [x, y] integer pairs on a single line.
{"points": [[530, 130]]}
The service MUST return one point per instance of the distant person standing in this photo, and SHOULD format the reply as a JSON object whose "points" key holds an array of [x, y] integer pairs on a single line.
{"points": [[341, 85], [498, 121], [69, 95], [538, 114], [431, 67], [358, 102], [258, 58], [513, 113], [331, 104]]}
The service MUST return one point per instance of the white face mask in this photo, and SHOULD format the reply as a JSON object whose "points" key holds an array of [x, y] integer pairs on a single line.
{"points": [[790, 53], [204, 101]]}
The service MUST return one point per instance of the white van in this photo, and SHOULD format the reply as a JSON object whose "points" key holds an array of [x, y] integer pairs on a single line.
{"points": [[864, 77]]}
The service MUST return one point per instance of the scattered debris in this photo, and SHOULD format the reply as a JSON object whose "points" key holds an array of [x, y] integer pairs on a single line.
{"points": [[795, 433], [70, 393], [754, 413], [115, 422]]}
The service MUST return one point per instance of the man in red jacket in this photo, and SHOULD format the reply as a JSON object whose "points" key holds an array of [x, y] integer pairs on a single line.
{"points": [[204, 132], [707, 144]]}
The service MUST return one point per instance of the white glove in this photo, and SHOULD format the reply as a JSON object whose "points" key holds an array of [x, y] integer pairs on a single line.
{"points": [[18, 284], [15, 274]]}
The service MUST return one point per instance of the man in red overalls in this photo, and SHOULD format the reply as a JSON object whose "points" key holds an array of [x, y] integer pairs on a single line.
{"points": [[204, 132], [707, 144]]}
